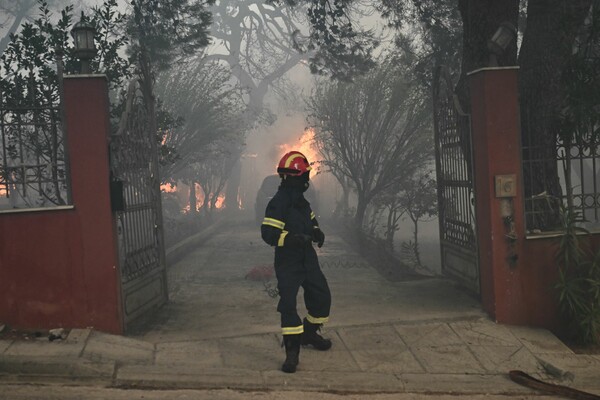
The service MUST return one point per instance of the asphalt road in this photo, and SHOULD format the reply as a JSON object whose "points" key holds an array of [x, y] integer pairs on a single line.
{"points": [[58, 392]]}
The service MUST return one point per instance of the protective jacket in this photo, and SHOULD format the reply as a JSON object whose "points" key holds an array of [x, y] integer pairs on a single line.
{"points": [[289, 225]]}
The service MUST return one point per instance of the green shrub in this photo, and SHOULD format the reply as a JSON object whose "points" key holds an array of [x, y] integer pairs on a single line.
{"points": [[579, 280]]}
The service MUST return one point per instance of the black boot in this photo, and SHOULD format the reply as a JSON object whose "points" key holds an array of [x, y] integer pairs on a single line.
{"points": [[292, 353], [311, 337]]}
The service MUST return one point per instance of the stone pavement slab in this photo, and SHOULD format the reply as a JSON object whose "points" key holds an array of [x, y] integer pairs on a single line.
{"points": [[204, 353], [448, 359], [539, 341], [428, 334], [501, 359], [484, 332], [105, 347], [257, 352], [379, 349], [338, 358]]}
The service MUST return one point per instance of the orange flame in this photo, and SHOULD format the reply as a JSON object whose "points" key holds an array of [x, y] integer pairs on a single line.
{"points": [[168, 188], [200, 196], [220, 203], [306, 146]]}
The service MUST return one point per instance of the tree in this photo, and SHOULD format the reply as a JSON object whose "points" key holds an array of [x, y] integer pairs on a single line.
{"points": [[29, 80], [338, 48], [163, 32], [375, 130], [428, 33], [418, 200], [211, 125], [257, 41]]}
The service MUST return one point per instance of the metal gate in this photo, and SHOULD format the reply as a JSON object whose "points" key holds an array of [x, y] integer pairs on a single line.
{"points": [[134, 164], [456, 201]]}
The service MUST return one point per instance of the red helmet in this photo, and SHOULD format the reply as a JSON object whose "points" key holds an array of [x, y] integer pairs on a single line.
{"points": [[293, 163]]}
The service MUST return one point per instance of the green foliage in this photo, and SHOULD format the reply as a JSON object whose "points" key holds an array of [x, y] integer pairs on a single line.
{"points": [[409, 252], [418, 197], [28, 66], [110, 40], [415, 198], [428, 32], [166, 30], [342, 50], [166, 122], [339, 48], [579, 280], [579, 120]]}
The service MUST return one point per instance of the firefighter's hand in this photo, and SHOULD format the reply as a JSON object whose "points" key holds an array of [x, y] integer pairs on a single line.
{"points": [[296, 240], [318, 237]]}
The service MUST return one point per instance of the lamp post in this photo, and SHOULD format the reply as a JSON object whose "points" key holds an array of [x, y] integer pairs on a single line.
{"points": [[83, 34], [501, 39]]}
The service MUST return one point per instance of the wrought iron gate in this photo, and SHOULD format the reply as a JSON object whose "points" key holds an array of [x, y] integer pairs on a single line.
{"points": [[134, 163], [456, 202]]}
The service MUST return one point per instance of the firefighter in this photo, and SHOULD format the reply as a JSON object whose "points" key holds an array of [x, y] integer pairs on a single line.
{"points": [[291, 227]]}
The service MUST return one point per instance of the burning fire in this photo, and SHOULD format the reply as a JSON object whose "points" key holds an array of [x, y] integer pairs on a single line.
{"points": [[306, 146], [168, 188], [183, 194], [220, 203]]}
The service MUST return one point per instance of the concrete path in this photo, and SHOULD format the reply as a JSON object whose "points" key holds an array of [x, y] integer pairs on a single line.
{"points": [[220, 330]]}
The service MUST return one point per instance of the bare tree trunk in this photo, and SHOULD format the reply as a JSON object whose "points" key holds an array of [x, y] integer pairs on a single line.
{"points": [[361, 209], [391, 227], [192, 198], [416, 239], [233, 187], [342, 205]]}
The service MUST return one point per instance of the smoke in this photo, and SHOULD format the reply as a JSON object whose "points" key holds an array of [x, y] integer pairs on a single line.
{"points": [[264, 149]]}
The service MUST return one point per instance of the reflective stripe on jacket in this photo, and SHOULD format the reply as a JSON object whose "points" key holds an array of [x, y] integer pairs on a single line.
{"points": [[288, 212]]}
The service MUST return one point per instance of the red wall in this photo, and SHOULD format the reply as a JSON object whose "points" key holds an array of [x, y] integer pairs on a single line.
{"points": [[59, 268]]}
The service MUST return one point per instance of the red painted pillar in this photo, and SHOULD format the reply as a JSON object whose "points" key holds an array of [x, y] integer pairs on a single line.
{"points": [[95, 273], [497, 156]]}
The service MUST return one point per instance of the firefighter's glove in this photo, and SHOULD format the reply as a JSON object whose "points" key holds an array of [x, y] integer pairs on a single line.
{"points": [[296, 240], [318, 237]]}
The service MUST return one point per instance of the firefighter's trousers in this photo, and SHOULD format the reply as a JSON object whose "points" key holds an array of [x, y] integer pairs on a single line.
{"points": [[297, 268]]}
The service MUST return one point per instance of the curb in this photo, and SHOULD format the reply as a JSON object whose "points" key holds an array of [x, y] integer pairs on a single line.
{"points": [[49, 369]]}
